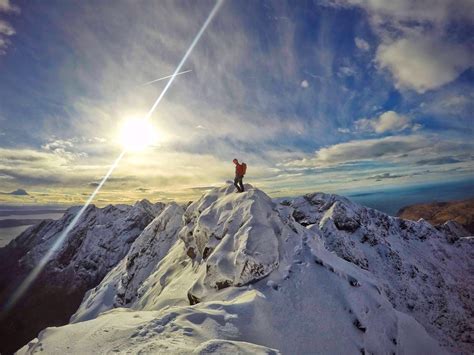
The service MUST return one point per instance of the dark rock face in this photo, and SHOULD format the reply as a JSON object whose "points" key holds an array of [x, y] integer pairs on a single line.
{"points": [[342, 220], [190, 252], [94, 246], [223, 284], [207, 251], [193, 299], [359, 326]]}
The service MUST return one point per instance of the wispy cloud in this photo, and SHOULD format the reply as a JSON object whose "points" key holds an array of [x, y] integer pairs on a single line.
{"points": [[6, 30]]}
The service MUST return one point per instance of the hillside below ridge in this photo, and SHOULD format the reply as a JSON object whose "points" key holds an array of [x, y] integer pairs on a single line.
{"points": [[438, 213]]}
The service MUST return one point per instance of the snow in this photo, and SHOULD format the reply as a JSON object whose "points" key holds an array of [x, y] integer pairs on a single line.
{"points": [[234, 235], [240, 273], [425, 271], [101, 234], [101, 239], [182, 331], [127, 280]]}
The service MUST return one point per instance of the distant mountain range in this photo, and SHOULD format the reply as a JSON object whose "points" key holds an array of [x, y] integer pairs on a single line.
{"points": [[440, 212]]}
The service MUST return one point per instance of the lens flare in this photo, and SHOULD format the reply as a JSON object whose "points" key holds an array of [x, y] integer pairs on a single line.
{"points": [[57, 244], [186, 55]]}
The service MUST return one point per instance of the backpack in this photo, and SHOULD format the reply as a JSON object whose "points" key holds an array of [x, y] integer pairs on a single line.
{"points": [[244, 168]]}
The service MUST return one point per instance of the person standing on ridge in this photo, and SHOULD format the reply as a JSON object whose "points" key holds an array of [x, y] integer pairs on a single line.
{"points": [[240, 170]]}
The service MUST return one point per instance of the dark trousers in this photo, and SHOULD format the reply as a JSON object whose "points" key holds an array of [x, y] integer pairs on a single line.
{"points": [[238, 183]]}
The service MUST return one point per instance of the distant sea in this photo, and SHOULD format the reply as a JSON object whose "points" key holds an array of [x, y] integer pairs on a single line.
{"points": [[391, 200]]}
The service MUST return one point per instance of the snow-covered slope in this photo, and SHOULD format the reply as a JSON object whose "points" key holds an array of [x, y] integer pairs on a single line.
{"points": [[426, 272], [101, 238], [128, 280], [237, 272]]}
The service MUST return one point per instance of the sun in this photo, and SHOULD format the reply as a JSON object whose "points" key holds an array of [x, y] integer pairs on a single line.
{"points": [[136, 134]]}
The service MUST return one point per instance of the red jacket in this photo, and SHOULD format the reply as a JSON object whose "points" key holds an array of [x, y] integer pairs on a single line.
{"points": [[239, 170]]}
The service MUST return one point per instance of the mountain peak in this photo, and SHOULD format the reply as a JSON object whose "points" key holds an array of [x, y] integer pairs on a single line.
{"points": [[17, 192], [260, 274]]}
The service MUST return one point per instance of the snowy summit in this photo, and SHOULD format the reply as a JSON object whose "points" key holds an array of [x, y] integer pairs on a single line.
{"points": [[242, 273]]}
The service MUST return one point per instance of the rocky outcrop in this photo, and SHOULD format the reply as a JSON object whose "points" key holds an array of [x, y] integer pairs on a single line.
{"points": [[235, 237]]}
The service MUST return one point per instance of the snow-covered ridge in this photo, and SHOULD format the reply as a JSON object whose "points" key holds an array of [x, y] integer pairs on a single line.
{"points": [[101, 238], [425, 271], [239, 272]]}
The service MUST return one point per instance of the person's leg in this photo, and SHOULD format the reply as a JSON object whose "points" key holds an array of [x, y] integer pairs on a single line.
{"points": [[241, 184], [236, 180]]}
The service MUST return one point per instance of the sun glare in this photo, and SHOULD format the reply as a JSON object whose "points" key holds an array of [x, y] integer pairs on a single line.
{"points": [[137, 134]]}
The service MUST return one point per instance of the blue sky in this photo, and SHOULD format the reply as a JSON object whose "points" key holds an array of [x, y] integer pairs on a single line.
{"points": [[329, 95]]}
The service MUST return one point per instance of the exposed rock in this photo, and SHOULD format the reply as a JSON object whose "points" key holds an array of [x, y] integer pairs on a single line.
{"points": [[191, 253]]}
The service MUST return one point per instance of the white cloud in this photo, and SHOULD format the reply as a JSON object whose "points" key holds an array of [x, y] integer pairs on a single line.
{"points": [[304, 84], [64, 148], [362, 44], [416, 47], [6, 29], [420, 10], [421, 63], [389, 121], [344, 130], [7, 6]]}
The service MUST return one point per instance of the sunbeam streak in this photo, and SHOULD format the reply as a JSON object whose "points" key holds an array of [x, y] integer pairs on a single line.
{"points": [[186, 55], [166, 77], [37, 270]]}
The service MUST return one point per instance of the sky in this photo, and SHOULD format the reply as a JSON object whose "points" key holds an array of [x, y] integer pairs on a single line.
{"points": [[329, 95]]}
